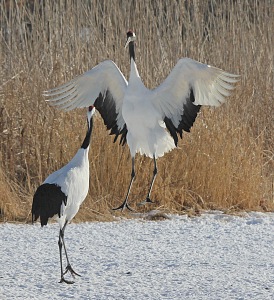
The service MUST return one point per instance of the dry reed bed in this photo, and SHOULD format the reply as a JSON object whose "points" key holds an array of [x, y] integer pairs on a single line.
{"points": [[226, 162]]}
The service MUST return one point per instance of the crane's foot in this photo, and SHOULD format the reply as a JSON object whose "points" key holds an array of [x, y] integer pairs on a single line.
{"points": [[123, 206], [147, 200], [72, 272], [65, 280]]}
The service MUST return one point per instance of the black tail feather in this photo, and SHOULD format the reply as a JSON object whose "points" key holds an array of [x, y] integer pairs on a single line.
{"points": [[47, 202]]}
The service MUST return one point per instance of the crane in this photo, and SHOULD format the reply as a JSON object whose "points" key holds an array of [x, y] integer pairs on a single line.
{"points": [[62, 193], [149, 121]]}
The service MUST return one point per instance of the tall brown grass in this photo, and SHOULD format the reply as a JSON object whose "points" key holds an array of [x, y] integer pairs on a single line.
{"points": [[226, 162]]}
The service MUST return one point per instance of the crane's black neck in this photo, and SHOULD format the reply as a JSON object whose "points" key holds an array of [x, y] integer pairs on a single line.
{"points": [[131, 50], [88, 135]]}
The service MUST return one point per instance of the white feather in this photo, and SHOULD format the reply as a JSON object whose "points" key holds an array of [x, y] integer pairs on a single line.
{"points": [[141, 109], [145, 116], [84, 89]]}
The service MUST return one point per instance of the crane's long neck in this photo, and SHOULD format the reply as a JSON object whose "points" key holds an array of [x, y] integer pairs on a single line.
{"points": [[86, 141], [131, 51], [133, 68]]}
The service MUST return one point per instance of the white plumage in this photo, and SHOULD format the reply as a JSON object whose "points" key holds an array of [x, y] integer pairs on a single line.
{"points": [[73, 179], [62, 193], [148, 120]]}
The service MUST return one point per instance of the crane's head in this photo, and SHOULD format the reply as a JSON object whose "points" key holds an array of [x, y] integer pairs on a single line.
{"points": [[131, 37], [90, 112]]}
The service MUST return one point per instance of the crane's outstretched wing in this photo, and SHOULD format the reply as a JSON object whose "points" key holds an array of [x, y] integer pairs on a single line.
{"points": [[103, 86], [190, 85]]}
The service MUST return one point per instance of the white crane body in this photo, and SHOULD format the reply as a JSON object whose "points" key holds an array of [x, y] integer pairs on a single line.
{"points": [[62, 193], [73, 179], [148, 120]]}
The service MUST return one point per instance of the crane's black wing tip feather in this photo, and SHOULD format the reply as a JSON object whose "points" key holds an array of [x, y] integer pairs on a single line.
{"points": [[190, 112], [106, 106], [123, 134], [172, 129], [47, 202]]}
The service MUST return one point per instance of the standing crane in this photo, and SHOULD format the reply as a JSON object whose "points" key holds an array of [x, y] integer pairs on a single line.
{"points": [[148, 120], [62, 193]]}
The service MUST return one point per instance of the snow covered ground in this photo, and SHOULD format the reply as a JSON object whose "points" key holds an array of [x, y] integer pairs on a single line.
{"points": [[214, 256]]}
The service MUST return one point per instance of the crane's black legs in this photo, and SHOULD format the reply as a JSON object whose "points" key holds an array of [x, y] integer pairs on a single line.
{"points": [[61, 242], [125, 204], [147, 200], [155, 171]]}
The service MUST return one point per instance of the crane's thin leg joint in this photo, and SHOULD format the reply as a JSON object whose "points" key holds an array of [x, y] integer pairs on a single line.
{"points": [[155, 171], [61, 242], [125, 204]]}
